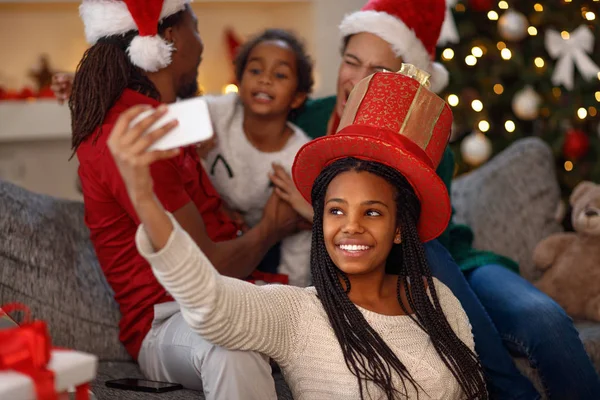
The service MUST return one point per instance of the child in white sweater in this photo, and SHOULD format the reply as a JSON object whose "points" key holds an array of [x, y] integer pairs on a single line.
{"points": [[376, 324], [252, 134]]}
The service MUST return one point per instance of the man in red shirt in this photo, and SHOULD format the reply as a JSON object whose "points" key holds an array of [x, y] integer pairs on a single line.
{"points": [[147, 52]]}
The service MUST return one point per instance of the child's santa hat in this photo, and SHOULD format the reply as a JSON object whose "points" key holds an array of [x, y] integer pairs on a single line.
{"points": [[411, 27], [104, 18]]}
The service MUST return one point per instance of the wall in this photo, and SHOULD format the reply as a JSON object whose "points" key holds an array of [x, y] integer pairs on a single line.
{"points": [[56, 29]]}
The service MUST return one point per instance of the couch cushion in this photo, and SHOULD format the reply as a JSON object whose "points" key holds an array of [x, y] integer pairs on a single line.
{"points": [[510, 202], [48, 263]]}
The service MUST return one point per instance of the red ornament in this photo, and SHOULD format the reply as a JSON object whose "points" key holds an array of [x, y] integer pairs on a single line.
{"points": [[26, 93], [46, 93], [481, 5], [11, 95], [576, 145]]}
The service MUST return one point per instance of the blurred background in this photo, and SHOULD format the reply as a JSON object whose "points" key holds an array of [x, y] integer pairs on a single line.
{"points": [[517, 68]]}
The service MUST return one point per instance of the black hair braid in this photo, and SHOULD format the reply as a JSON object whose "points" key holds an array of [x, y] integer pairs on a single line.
{"points": [[367, 355], [102, 75]]}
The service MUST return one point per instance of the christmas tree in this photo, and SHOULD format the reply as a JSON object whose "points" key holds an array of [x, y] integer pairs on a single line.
{"points": [[525, 68]]}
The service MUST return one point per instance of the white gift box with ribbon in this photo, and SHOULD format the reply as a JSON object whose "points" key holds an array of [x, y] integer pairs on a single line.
{"points": [[71, 369]]}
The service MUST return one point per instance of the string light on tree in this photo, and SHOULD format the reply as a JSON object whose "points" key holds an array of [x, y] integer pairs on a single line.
{"points": [[526, 104], [493, 16], [556, 92], [448, 54], [532, 30], [568, 166], [470, 60], [453, 100], [582, 113], [498, 89], [503, 5], [590, 16], [483, 125], [477, 105], [476, 149], [510, 126], [539, 62], [538, 7], [477, 51], [506, 54], [513, 26]]}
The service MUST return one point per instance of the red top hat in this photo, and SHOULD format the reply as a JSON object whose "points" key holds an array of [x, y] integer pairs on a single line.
{"points": [[393, 119]]}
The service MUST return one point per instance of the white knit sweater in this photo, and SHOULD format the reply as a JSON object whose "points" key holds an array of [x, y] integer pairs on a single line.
{"points": [[290, 325]]}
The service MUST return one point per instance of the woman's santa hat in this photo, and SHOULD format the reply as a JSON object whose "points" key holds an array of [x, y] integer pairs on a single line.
{"points": [[149, 51], [411, 27]]}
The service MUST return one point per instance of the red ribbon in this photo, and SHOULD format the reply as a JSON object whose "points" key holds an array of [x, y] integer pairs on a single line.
{"points": [[26, 349]]}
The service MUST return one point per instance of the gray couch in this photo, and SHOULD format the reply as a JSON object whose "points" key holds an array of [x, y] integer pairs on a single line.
{"points": [[48, 263]]}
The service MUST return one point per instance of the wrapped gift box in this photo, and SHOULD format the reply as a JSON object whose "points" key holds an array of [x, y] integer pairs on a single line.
{"points": [[71, 369]]}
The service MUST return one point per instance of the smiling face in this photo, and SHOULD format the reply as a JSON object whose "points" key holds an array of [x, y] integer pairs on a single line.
{"points": [[359, 222], [270, 80], [363, 55]]}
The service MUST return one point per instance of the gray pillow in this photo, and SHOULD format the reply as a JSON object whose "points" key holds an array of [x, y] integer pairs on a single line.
{"points": [[47, 262], [510, 202]]}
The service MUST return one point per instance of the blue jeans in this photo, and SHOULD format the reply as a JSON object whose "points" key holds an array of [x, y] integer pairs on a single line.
{"points": [[507, 312]]}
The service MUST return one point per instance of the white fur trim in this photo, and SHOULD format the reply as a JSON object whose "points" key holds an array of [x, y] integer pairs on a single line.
{"points": [[150, 53], [439, 77], [103, 18], [403, 40]]}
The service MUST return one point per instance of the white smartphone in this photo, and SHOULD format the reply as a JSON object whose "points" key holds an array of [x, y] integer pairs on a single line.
{"points": [[194, 124]]}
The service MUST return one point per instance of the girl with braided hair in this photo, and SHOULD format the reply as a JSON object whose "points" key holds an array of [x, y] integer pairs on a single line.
{"points": [[376, 324]]}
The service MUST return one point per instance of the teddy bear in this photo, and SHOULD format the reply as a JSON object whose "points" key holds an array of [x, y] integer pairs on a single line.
{"points": [[569, 262]]}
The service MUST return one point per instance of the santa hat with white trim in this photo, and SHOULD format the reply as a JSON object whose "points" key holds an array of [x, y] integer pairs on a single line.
{"points": [[104, 18], [411, 27]]}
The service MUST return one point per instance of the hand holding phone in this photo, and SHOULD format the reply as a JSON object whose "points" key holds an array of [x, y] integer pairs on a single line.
{"points": [[194, 124]]}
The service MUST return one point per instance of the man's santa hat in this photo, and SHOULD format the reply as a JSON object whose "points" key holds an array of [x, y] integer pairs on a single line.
{"points": [[149, 51], [411, 27]]}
